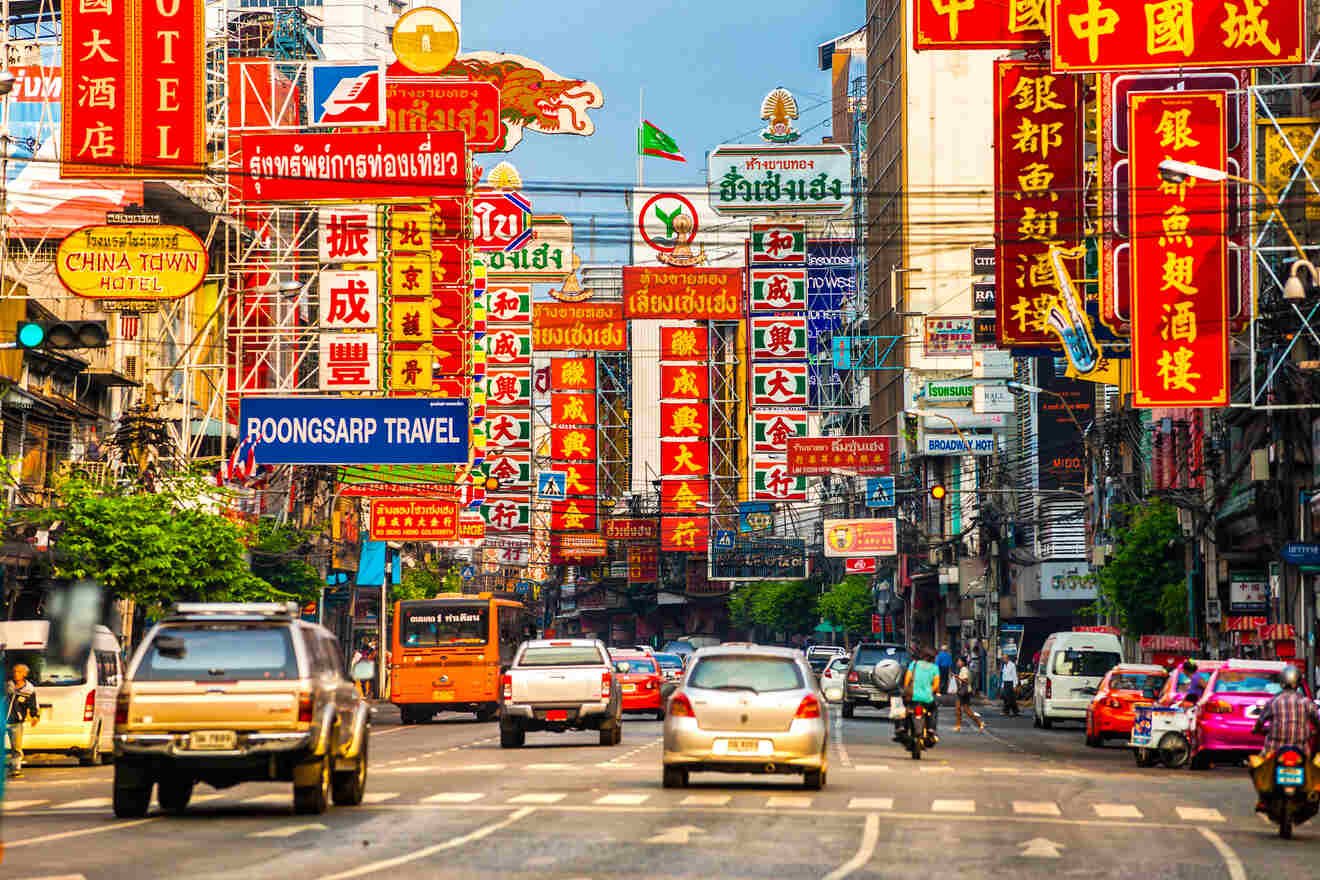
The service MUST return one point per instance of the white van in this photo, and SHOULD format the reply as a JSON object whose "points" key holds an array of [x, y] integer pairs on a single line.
{"points": [[1072, 664], [77, 705]]}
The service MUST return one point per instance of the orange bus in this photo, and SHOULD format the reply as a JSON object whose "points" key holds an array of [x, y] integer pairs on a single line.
{"points": [[449, 653]]}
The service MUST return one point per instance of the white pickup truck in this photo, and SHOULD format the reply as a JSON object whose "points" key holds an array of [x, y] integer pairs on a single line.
{"points": [[558, 685]]}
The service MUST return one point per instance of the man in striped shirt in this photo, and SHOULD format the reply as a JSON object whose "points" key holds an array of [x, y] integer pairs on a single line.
{"points": [[1289, 717]]}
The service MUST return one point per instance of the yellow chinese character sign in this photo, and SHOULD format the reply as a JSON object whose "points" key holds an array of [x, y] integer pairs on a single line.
{"points": [[979, 24]]}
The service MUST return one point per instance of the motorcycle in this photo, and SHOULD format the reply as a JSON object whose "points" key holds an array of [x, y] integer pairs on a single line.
{"points": [[1285, 781], [915, 727]]}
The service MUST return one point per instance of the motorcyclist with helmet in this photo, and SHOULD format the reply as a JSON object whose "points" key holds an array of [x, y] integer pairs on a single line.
{"points": [[1287, 720]]}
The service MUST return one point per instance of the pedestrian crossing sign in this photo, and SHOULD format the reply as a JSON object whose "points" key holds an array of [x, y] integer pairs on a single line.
{"points": [[723, 539], [880, 492], [552, 485]]}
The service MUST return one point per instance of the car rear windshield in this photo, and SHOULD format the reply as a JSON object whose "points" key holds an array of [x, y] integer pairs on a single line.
{"points": [[872, 656], [634, 667], [1085, 664], [561, 655], [1148, 683], [670, 661], [435, 625], [45, 673], [221, 652], [746, 673], [1247, 681]]}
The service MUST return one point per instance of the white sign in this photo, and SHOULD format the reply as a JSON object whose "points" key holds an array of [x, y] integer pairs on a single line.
{"points": [[349, 362], [350, 298], [952, 444], [936, 418], [992, 364], [347, 234], [992, 399]]}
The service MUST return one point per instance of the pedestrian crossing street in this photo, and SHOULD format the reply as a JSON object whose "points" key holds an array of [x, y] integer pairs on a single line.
{"points": [[786, 800]]}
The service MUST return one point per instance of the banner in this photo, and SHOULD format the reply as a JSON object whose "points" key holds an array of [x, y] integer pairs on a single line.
{"points": [[436, 103], [690, 343], [684, 420], [861, 537], [682, 294], [566, 548], [1179, 259], [966, 24], [821, 456], [1113, 35], [1038, 189], [686, 534], [413, 519], [356, 430], [583, 326], [684, 382]]}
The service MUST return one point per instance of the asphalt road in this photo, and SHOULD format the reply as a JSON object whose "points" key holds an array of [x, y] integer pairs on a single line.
{"points": [[445, 801]]}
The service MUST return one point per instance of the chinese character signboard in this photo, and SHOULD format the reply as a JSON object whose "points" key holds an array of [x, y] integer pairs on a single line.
{"points": [[579, 327], [979, 24], [948, 337], [779, 384], [771, 481], [413, 519], [682, 293], [798, 180], [1038, 185], [690, 534], [349, 362], [779, 337], [349, 298], [778, 243], [1095, 35], [685, 343], [820, 456], [347, 234], [772, 430], [1179, 260], [572, 374], [684, 382], [778, 290]]}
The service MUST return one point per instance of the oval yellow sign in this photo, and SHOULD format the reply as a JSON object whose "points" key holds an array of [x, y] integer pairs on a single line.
{"points": [[131, 262]]}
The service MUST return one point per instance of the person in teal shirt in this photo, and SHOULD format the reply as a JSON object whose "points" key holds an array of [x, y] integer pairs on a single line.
{"points": [[923, 677]]}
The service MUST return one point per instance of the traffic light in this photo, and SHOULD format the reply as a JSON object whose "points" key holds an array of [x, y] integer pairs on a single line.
{"points": [[938, 492], [62, 334]]}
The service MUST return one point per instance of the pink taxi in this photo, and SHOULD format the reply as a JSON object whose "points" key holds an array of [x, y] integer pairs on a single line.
{"points": [[1222, 722], [1177, 685]]}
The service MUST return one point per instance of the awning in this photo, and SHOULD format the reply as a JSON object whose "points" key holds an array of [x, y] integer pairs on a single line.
{"points": [[1113, 631], [1242, 624], [1274, 631], [824, 627], [1170, 643], [108, 378]]}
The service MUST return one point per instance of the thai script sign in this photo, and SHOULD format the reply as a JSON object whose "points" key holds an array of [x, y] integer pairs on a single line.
{"points": [[357, 430], [631, 529], [566, 547], [579, 327], [1093, 35], [432, 103], [367, 166], [819, 456], [1179, 253], [760, 179], [948, 391], [548, 258], [968, 24], [682, 293], [861, 537], [131, 262], [413, 519]]}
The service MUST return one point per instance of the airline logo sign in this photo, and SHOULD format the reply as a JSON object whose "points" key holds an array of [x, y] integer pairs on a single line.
{"points": [[357, 430], [345, 93]]}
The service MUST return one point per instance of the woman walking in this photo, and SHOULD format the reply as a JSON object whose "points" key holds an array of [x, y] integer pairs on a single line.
{"points": [[964, 680]]}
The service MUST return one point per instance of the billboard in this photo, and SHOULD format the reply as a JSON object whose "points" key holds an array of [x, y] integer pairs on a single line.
{"points": [[861, 537], [794, 179], [131, 262], [683, 294], [760, 559], [413, 519], [821, 456], [356, 430], [940, 24], [585, 326]]}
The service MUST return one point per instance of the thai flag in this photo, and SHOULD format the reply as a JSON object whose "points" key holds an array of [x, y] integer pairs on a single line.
{"points": [[242, 464]]}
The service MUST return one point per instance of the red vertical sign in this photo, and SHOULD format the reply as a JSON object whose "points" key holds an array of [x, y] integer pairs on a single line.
{"points": [[97, 132], [171, 58], [1179, 251], [1038, 188]]}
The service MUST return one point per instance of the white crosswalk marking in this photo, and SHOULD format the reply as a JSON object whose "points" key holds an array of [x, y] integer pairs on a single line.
{"points": [[796, 801], [871, 804], [935, 769], [1199, 814], [84, 804], [538, 798], [1036, 808], [871, 768], [622, 800], [1116, 811], [453, 797], [268, 799], [953, 807], [704, 800], [379, 797]]}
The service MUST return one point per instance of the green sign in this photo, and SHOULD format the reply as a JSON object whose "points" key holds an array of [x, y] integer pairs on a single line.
{"points": [[948, 391], [760, 179]]}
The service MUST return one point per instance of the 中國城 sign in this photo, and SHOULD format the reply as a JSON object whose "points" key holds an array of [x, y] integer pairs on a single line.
{"points": [[131, 262], [356, 430], [760, 179]]}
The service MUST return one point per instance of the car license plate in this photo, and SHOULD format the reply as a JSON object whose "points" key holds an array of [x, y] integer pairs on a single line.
{"points": [[446, 696], [212, 740], [630, 688], [556, 715], [1288, 775], [744, 746]]}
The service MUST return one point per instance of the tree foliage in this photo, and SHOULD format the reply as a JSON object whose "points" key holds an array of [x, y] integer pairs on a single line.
{"points": [[279, 557], [848, 604], [777, 606], [420, 582], [1144, 584]]}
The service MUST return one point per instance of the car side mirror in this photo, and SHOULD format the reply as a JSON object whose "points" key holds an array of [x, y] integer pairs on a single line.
{"points": [[364, 670], [172, 647]]}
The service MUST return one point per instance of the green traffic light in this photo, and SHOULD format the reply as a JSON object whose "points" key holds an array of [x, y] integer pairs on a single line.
{"points": [[31, 334]]}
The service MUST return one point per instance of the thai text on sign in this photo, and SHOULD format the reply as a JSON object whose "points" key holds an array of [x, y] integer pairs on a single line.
{"points": [[579, 327], [820, 456], [1179, 268], [1038, 186], [413, 519], [979, 24], [682, 294], [1092, 35], [131, 262], [861, 537]]}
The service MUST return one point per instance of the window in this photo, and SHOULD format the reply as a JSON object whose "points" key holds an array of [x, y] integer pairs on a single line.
{"points": [[334, 657], [1147, 684], [238, 652], [634, 667], [563, 655], [872, 656], [435, 625], [512, 623], [107, 668], [757, 674], [1085, 664], [44, 674], [1247, 681]]}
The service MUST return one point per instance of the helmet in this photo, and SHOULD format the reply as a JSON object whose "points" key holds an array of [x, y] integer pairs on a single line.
{"points": [[1290, 678]]}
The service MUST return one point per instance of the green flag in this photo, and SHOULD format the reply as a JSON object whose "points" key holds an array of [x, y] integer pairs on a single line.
{"points": [[651, 141]]}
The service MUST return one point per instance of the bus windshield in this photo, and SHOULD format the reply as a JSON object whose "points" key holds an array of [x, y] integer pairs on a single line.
{"points": [[430, 626]]}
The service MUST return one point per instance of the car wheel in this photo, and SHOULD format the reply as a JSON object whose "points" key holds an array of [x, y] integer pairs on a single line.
{"points": [[406, 716], [674, 777], [315, 798], [847, 709], [351, 785], [813, 780], [512, 737], [487, 714], [174, 794], [1200, 761], [612, 735], [1035, 717], [132, 797], [660, 714]]}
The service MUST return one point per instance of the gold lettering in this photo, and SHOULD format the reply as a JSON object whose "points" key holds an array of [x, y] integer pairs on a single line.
{"points": [[169, 95], [164, 143]]}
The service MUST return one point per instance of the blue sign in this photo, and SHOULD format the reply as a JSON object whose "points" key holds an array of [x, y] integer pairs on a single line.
{"points": [[468, 573], [879, 491], [343, 94], [723, 539], [552, 485], [1298, 553], [831, 289], [356, 430]]}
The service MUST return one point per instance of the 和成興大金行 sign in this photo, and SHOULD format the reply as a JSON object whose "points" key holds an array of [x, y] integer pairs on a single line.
{"points": [[356, 430]]}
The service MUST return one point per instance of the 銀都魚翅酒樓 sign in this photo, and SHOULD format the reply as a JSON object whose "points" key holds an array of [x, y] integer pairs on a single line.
{"points": [[356, 430]]}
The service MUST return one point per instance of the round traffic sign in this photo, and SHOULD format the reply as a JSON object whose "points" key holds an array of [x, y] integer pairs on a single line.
{"points": [[667, 221]]}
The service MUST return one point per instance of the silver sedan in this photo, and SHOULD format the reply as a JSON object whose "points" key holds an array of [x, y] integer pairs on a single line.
{"points": [[747, 709]]}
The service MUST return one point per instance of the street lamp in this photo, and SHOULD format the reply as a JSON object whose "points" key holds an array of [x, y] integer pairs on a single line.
{"points": [[1293, 289]]}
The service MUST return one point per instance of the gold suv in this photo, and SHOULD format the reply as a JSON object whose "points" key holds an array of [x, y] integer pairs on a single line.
{"points": [[224, 693]]}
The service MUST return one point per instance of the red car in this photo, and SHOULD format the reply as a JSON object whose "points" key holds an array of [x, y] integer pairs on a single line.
{"points": [[1111, 711], [639, 680]]}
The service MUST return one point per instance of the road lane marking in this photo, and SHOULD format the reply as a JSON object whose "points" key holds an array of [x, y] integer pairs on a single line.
{"points": [[953, 807], [266, 799], [871, 804], [454, 797], [1036, 808], [551, 767], [379, 797], [84, 804], [1233, 863], [58, 877], [795, 801], [79, 832], [1116, 811], [538, 798], [482, 832], [622, 800], [935, 769], [388, 731], [20, 805], [871, 768], [1001, 769], [1199, 814], [870, 836], [287, 830], [704, 800], [838, 739], [613, 765]]}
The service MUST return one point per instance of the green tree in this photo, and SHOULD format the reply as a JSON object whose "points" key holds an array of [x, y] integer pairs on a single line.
{"points": [[848, 605], [279, 557], [1144, 584], [420, 582], [780, 606]]}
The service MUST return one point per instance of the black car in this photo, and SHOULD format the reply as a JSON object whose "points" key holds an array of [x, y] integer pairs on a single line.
{"points": [[859, 689]]}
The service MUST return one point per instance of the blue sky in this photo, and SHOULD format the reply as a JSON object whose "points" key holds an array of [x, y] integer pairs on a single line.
{"points": [[705, 68]]}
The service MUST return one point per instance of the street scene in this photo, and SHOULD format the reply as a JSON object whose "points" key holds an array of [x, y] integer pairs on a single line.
{"points": [[611, 440]]}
